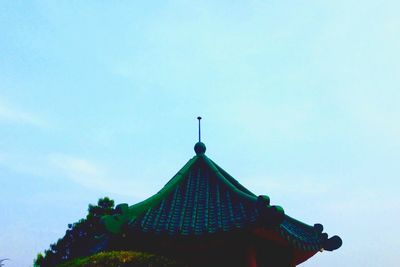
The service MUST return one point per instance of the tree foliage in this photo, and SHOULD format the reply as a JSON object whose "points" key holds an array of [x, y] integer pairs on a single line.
{"points": [[80, 239], [123, 259]]}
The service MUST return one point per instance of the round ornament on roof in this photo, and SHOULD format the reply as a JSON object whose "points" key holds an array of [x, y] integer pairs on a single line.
{"points": [[199, 148]]}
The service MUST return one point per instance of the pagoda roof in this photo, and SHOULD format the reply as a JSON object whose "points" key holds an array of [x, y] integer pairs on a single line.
{"points": [[202, 199]]}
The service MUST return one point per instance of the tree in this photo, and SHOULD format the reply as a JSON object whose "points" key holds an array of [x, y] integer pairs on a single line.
{"points": [[81, 238]]}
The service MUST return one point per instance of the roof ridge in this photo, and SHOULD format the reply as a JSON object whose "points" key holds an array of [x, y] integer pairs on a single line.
{"points": [[114, 223], [323, 241], [235, 187], [233, 180]]}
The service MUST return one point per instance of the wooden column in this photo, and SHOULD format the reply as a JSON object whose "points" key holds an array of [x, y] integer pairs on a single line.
{"points": [[251, 257]]}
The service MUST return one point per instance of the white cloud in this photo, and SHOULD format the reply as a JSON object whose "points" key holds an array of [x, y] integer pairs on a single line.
{"points": [[11, 114], [80, 170], [91, 175]]}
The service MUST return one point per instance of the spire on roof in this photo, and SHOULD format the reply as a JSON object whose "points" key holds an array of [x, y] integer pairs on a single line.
{"points": [[199, 118], [199, 147]]}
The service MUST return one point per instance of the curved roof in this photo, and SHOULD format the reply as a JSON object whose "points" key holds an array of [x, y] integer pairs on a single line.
{"points": [[203, 199]]}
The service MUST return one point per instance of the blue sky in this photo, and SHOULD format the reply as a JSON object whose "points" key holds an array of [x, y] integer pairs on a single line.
{"points": [[300, 101]]}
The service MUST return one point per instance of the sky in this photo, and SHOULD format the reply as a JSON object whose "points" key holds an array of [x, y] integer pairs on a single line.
{"points": [[299, 99]]}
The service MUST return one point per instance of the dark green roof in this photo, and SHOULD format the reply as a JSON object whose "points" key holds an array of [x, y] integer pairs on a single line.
{"points": [[203, 199]]}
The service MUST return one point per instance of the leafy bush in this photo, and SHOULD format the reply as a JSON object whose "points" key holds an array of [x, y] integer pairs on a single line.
{"points": [[122, 259]]}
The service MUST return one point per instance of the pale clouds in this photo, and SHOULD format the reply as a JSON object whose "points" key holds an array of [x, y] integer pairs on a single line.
{"points": [[289, 185], [90, 174], [85, 172], [8, 113], [79, 170]]}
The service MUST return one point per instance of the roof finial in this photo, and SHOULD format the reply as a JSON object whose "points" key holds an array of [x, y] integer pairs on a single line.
{"points": [[199, 118], [199, 148]]}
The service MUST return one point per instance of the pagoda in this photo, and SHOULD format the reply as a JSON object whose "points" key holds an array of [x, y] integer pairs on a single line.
{"points": [[206, 218]]}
